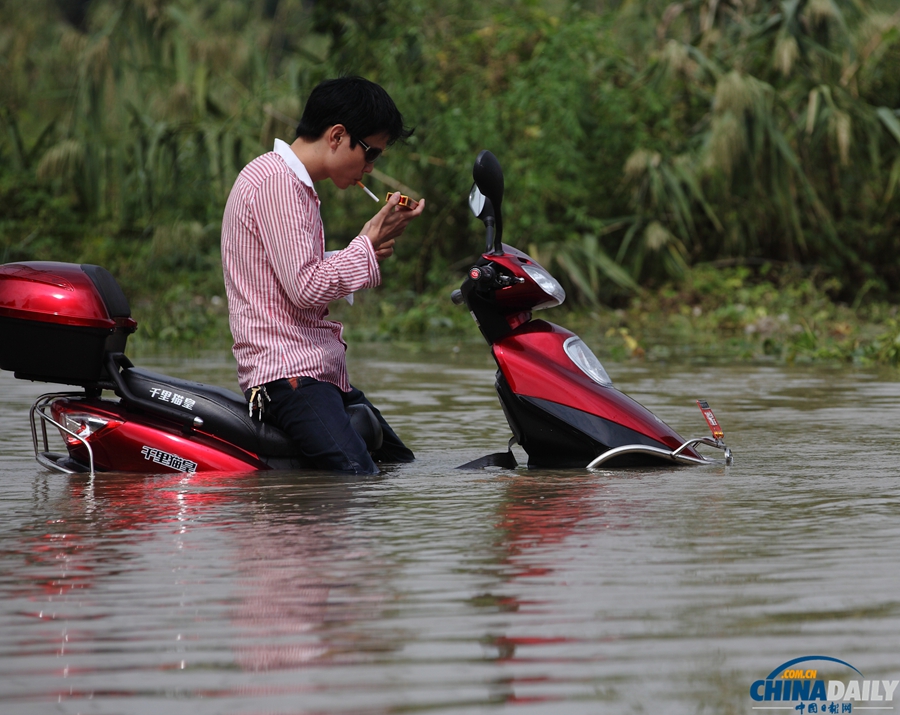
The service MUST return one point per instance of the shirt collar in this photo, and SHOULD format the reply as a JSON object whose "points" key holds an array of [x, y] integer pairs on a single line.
{"points": [[283, 149]]}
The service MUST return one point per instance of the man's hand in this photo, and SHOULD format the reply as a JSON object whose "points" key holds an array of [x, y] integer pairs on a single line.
{"points": [[389, 223]]}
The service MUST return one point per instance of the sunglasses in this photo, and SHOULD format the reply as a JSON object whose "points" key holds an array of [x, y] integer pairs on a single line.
{"points": [[372, 152]]}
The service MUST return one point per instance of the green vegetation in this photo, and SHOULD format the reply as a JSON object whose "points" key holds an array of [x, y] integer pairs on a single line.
{"points": [[771, 313], [722, 174]]}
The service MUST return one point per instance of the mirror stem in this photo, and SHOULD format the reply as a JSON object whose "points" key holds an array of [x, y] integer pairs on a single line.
{"points": [[498, 237], [489, 238]]}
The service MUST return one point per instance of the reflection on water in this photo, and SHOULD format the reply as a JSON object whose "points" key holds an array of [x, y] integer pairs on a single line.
{"points": [[428, 588]]}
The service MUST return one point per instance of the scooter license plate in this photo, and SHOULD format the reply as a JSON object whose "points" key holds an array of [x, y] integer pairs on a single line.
{"points": [[711, 420]]}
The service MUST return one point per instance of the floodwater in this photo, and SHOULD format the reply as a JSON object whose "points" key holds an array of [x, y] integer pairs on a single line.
{"points": [[428, 589]]}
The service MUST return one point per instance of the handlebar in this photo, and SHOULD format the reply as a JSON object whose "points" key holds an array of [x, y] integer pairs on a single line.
{"points": [[485, 278]]}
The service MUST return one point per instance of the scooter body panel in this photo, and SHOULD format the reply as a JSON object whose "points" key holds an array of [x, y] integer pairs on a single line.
{"points": [[128, 443]]}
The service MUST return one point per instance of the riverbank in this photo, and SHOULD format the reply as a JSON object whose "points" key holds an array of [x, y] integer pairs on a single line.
{"points": [[714, 313], [734, 314]]}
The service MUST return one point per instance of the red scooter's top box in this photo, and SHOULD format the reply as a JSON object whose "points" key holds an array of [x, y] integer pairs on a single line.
{"points": [[64, 294], [58, 321]]}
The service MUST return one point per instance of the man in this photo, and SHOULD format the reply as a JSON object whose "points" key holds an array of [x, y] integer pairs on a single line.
{"points": [[279, 280]]}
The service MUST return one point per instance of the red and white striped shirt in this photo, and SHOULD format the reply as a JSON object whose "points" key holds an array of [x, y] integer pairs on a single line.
{"points": [[279, 281]]}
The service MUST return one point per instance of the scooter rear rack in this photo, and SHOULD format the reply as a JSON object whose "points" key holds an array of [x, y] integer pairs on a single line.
{"points": [[675, 455], [51, 460]]}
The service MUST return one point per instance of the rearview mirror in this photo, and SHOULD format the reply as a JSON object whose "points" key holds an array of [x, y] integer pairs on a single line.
{"points": [[476, 201], [487, 195], [489, 177]]}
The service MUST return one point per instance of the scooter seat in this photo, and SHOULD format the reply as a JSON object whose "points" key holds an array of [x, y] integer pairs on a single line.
{"points": [[224, 412]]}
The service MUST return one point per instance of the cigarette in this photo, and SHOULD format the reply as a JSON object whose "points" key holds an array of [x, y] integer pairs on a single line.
{"points": [[364, 188]]}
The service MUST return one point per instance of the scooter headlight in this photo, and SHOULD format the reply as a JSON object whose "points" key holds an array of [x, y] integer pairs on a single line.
{"points": [[586, 361], [546, 283]]}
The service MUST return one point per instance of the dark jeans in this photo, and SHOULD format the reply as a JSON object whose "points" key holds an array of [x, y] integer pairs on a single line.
{"points": [[314, 414]]}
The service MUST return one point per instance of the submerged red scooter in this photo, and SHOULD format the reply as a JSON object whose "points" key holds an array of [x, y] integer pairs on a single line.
{"points": [[559, 401], [67, 323]]}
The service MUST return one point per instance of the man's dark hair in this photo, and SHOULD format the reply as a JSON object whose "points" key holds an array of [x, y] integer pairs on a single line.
{"points": [[363, 107]]}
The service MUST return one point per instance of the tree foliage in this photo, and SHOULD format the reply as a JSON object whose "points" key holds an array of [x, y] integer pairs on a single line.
{"points": [[637, 139]]}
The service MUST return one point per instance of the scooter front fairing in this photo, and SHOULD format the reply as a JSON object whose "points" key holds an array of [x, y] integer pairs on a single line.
{"points": [[565, 413]]}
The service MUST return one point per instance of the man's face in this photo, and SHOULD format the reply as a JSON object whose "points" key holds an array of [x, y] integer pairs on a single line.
{"points": [[351, 164]]}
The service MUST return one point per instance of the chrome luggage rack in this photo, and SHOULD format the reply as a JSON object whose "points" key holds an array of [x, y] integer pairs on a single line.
{"points": [[52, 460], [675, 455]]}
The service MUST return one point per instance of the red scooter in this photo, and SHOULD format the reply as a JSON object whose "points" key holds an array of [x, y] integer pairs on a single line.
{"points": [[68, 324], [559, 401]]}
